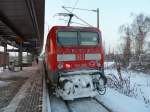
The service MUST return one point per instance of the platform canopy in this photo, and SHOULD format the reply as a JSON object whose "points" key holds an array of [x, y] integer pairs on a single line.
{"points": [[22, 22]]}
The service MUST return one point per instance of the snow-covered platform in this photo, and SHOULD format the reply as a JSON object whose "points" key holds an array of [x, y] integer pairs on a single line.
{"points": [[21, 91]]}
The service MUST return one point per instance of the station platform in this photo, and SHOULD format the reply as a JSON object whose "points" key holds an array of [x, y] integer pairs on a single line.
{"points": [[22, 91]]}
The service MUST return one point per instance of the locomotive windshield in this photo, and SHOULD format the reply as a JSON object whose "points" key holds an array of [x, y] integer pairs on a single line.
{"points": [[88, 38], [67, 38], [77, 38]]}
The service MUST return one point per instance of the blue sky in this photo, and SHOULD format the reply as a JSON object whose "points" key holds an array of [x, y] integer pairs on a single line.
{"points": [[113, 13]]}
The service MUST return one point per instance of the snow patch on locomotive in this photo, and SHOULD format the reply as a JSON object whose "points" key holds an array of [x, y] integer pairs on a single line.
{"points": [[80, 84]]}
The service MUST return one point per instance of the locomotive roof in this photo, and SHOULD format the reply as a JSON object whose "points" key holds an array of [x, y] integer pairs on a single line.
{"points": [[76, 27]]}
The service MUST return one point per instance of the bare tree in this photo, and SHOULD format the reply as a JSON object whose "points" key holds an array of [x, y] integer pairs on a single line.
{"points": [[126, 48], [140, 30]]}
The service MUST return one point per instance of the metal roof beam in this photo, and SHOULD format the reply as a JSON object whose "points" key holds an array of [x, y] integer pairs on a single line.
{"points": [[10, 25], [31, 9]]}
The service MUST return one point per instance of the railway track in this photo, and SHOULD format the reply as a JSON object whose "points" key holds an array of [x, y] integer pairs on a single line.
{"points": [[67, 104], [109, 110], [86, 105], [78, 105]]}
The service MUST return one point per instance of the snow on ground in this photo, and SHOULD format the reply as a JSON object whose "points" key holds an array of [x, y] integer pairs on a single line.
{"points": [[114, 100], [141, 78], [86, 105], [120, 103], [25, 91], [108, 64], [4, 83], [17, 98], [26, 72], [57, 105], [139, 81]]}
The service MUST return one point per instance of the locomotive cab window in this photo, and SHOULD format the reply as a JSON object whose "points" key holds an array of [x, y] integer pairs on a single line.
{"points": [[74, 38], [89, 38], [65, 38]]}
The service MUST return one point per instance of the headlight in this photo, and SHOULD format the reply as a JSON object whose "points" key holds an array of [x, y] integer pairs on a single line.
{"points": [[60, 66], [68, 66]]}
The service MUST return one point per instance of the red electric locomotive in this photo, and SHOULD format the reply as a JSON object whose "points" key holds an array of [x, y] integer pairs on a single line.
{"points": [[74, 61]]}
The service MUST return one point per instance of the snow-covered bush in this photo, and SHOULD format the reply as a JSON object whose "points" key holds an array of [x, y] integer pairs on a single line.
{"points": [[120, 84], [125, 82]]}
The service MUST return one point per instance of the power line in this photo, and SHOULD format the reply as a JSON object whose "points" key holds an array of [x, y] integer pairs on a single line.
{"points": [[77, 17], [75, 5], [62, 14], [73, 22], [81, 9], [66, 14], [97, 11]]}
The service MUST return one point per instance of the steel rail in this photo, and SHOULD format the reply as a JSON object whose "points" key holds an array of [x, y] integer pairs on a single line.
{"points": [[67, 105], [108, 109]]}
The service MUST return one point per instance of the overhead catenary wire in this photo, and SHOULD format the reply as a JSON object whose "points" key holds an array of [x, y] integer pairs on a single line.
{"points": [[92, 10], [66, 14], [73, 22], [82, 9], [75, 5], [77, 17]]}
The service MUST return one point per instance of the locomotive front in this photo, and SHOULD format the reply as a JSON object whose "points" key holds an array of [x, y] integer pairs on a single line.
{"points": [[79, 62]]}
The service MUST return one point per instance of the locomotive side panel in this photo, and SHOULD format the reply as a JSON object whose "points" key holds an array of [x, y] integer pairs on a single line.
{"points": [[51, 54]]}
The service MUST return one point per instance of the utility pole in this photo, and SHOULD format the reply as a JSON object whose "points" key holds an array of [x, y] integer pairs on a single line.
{"points": [[5, 53], [20, 56], [97, 18]]}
